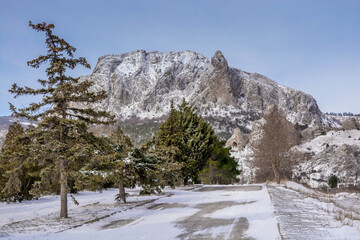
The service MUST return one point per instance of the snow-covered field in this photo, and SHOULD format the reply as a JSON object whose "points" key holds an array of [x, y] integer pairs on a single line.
{"points": [[288, 211], [232, 212], [332, 138], [30, 218]]}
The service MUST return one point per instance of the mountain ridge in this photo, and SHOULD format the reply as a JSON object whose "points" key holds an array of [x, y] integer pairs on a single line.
{"points": [[141, 84]]}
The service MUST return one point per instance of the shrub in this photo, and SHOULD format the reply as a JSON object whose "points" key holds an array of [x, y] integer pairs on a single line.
{"points": [[333, 181]]}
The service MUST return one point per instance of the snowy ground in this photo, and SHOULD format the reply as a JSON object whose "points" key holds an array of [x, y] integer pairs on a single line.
{"points": [[36, 217], [286, 211], [332, 138], [304, 213], [232, 212], [336, 153]]}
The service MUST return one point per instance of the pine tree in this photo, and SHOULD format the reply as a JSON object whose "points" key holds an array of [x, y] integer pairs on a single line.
{"points": [[221, 168], [168, 164], [122, 146], [122, 142], [169, 130], [146, 167], [146, 171], [15, 181], [191, 135], [15, 130], [62, 135]]}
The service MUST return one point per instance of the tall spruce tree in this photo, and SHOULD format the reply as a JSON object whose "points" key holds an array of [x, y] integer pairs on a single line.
{"points": [[62, 133], [193, 137]]}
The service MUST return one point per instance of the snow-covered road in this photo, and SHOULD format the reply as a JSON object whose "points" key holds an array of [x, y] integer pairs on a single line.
{"points": [[231, 212], [305, 214], [291, 211]]}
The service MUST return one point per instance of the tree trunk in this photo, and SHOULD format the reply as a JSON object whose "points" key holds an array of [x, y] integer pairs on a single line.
{"points": [[276, 169], [186, 181], [63, 167], [277, 176], [122, 191], [63, 190]]}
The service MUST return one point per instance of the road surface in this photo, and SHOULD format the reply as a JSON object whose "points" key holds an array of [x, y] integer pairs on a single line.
{"points": [[209, 212], [216, 212]]}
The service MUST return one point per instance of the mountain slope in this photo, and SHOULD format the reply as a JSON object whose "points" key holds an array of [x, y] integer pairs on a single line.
{"points": [[337, 152], [141, 85]]}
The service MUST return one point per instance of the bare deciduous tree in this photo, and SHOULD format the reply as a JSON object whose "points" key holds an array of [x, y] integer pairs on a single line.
{"points": [[271, 151]]}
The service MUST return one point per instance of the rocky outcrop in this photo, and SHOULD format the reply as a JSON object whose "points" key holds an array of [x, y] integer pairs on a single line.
{"points": [[343, 162], [308, 134], [350, 124], [336, 153], [216, 83], [237, 141], [140, 86], [314, 131]]}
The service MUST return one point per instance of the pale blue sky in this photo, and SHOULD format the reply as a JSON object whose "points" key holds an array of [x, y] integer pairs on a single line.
{"points": [[310, 45]]}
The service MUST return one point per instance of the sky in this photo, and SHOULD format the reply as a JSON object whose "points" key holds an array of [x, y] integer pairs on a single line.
{"points": [[312, 46]]}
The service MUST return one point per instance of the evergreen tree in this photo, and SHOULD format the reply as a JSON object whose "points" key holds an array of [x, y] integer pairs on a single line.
{"points": [[16, 179], [192, 137], [169, 133], [146, 171], [127, 166], [122, 175], [15, 130], [150, 168], [168, 164], [221, 168], [28, 171], [62, 138]]}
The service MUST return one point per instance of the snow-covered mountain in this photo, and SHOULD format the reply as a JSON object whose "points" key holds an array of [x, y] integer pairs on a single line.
{"points": [[141, 85], [337, 152]]}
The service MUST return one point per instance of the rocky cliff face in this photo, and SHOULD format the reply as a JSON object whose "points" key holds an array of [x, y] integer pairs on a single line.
{"points": [[141, 85]]}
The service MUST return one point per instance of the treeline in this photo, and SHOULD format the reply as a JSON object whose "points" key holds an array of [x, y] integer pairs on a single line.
{"points": [[60, 155], [184, 148], [342, 114]]}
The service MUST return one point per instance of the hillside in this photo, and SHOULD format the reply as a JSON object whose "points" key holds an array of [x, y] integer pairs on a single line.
{"points": [[141, 85], [337, 152]]}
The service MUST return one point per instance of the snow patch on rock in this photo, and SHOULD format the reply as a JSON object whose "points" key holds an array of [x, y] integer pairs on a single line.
{"points": [[337, 152]]}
